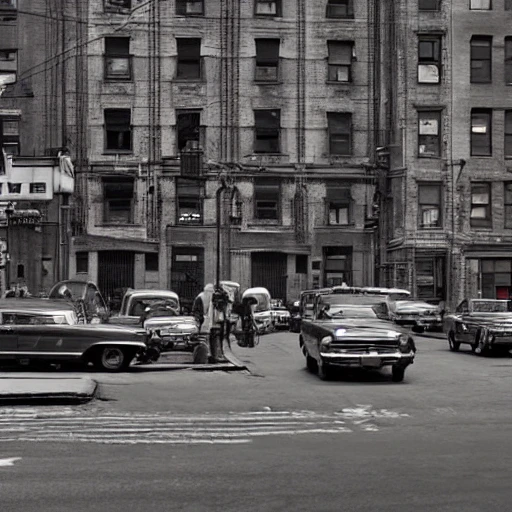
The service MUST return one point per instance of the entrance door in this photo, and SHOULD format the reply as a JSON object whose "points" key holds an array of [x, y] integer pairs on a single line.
{"points": [[269, 269], [115, 271], [187, 273]]}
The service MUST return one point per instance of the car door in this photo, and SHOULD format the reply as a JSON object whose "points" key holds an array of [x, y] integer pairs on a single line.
{"points": [[461, 328], [8, 335]]}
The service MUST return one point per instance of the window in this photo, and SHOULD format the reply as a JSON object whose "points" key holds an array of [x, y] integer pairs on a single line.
{"points": [[14, 188], [496, 283], [508, 60], [429, 59], [117, 4], [337, 266], [508, 133], [82, 262], [340, 133], [340, 9], [267, 125], [151, 261], [481, 56], [266, 199], [190, 7], [118, 129], [188, 129], [117, 58], [38, 188], [480, 5], [118, 200], [8, 3], [301, 263], [480, 216], [189, 201], [429, 205], [8, 67], [267, 7], [429, 134], [481, 125], [340, 61], [508, 204], [189, 59], [10, 135], [267, 60], [508, 5], [338, 199], [429, 5]]}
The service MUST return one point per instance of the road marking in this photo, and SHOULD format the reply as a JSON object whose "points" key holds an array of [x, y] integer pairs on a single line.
{"points": [[99, 426], [9, 462]]}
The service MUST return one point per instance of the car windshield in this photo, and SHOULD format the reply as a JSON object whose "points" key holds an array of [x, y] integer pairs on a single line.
{"points": [[344, 311], [27, 319], [76, 290], [492, 306], [139, 305], [351, 299]]}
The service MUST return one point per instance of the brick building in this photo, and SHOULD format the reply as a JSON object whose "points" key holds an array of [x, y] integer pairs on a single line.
{"points": [[447, 229], [273, 98], [31, 134]]}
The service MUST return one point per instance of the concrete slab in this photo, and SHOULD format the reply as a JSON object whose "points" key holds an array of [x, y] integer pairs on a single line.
{"points": [[49, 390]]}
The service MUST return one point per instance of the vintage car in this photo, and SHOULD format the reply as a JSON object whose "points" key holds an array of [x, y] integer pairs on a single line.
{"points": [[279, 314], [295, 316], [484, 324], [43, 330], [418, 314], [158, 311], [85, 296], [261, 309], [354, 333]]}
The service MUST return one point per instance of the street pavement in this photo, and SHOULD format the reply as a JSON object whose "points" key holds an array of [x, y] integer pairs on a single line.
{"points": [[274, 438]]}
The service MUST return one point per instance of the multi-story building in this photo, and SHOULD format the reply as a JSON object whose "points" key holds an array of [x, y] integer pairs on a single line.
{"points": [[35, 186], [264, 109], [446, 232]]}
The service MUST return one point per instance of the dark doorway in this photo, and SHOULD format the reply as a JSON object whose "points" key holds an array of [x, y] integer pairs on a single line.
{"points": [[269, 269], [115, 272], [187, 273]]}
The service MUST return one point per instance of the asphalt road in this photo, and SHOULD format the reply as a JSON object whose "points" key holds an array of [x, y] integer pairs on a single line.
{"points": [[277, 439]]}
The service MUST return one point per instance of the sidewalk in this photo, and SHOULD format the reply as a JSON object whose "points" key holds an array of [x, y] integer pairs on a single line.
{"points": [[22, 388], [28, 387]]}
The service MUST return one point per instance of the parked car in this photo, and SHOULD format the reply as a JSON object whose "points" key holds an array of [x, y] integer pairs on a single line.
{"points": [[158, 312], [85, 296], [418, 314], [43, 330], [295, 316], [341, 335], [261, 310], [135, 303], [279, 314], [483, 324]]}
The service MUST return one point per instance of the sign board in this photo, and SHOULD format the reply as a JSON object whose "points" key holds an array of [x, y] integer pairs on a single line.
{"points": [[25, 218]]}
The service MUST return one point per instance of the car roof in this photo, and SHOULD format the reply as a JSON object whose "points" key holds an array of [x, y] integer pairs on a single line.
{"points": [[151, 293], [35, 305], [257, 289]]}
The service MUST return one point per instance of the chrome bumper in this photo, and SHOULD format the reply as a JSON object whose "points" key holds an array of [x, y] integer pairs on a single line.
{"points": [[373, 360]]}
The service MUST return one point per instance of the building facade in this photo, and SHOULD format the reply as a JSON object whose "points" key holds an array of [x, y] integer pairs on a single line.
{"points": [[445, 186], [35, 184], [261, 110]]}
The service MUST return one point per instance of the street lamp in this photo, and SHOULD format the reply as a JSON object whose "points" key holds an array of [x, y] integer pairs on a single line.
{"points": [[9, 210]]}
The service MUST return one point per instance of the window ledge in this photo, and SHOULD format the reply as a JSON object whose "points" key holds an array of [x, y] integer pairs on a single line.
{"points": [[116, 225], [349, 225], [264, 222], [429, 157], [337, 82], [118, 152], [267, 82], [437, 229], [485, 230], [109, 80], [188, 81]]}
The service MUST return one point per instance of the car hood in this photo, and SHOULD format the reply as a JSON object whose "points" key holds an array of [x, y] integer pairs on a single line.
{"points": [[416, 307], [363, 327], [178, 323]]}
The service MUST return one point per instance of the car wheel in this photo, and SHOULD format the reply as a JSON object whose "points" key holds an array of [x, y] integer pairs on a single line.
{"points": [[113, 359], [311, 363], [397, 374], [325, 371], [418, 329], [454, 345]]}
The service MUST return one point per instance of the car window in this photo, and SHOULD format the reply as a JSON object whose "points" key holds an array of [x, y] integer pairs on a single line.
{"points": [[29, 319], [138, 306]]}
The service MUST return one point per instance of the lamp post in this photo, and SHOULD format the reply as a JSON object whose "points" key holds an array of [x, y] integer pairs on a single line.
{"points": [[9, 210]]}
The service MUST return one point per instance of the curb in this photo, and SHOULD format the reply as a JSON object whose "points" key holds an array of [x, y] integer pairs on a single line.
{"points": [[51, 398]]}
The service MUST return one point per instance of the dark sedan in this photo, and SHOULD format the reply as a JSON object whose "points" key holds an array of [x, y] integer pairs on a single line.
{"points": [[33, 330], [354, 336]]}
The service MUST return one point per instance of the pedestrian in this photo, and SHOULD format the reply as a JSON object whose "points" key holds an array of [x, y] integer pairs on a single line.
{"points": [[201, 307]]}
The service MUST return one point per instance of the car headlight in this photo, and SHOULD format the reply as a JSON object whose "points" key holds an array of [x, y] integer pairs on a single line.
{"points": [[403, 340], [325, 343]]}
